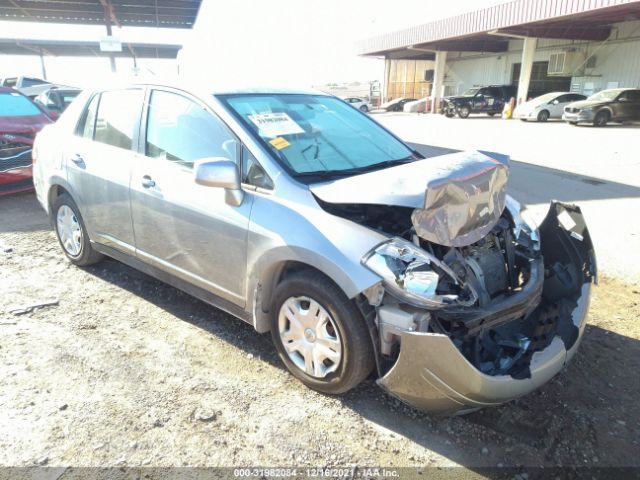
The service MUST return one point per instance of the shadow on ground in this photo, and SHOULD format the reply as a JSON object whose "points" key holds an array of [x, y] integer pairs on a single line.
{"points": [[577, 419]]}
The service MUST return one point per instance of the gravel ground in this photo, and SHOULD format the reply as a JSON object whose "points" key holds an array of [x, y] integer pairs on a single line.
{"points": [[128, 371]]}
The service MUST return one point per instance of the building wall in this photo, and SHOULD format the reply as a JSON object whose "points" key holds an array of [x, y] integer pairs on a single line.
{"points": [[617, 61], [406, 78]]}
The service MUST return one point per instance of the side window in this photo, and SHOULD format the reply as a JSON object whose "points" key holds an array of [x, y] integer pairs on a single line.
{"points": [[87, 125], [117, 118], [483, 91], [634, 95], [252, 171], [561, 99], [180, 130]]}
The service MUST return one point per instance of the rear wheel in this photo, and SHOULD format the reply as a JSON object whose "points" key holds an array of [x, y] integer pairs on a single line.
{"points": [[72, 233], [601, 119], [320, 334], [543, 116], [364, 108], [464, 111]]}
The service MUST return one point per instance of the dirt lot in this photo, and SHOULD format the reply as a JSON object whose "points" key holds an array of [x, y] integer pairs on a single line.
{"points": [[128, 371]]}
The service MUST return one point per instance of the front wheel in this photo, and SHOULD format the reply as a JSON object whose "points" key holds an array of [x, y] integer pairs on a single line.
{"points": [[319, 334], [364, 108], [463, 112], [72, 233], [601, 119], [543, 116]]}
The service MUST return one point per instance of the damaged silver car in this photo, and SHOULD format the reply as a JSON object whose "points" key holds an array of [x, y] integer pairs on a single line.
{"points": [[304, 217]]}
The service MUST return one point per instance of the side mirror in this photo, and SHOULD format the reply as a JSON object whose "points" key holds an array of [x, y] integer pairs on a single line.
{"points": [[623, 99], [220, 172]]}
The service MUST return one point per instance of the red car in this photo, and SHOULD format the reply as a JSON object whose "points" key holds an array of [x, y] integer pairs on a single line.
{"points": [[20, 120]]}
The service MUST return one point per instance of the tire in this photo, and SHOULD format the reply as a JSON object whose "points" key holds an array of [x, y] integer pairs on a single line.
{"points": [[343, 325], [464, 111], [573, 123], [543, 116], [523, 119], [601, 118], [74, 241], [449, 114], [364, 109], [492, 114]]}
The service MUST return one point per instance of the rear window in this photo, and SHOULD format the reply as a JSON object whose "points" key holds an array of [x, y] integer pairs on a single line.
{"points": [[16, 105]]}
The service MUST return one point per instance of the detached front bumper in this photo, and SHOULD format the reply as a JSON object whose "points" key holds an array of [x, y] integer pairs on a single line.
{"points": [[432, 374]]}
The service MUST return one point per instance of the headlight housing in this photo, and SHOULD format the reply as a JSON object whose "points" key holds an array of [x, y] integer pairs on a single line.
{"points": [[414, 275]]}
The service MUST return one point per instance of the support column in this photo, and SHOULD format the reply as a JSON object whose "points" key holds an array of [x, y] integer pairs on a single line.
{"points": [[107, 22], [42, 66], [438, 79], [528, 52], [387, 77]]}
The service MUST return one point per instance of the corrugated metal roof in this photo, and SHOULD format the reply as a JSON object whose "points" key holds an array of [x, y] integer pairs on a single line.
{"points": [[138, 13], [588, 19]]}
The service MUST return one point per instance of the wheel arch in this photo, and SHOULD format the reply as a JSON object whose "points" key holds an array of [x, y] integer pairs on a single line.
{"points": [[263, 285]]}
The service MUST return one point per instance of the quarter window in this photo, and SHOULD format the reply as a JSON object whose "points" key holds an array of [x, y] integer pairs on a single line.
{"points": [[252, 171], [182, 131], [117, 117], [87, 128]]}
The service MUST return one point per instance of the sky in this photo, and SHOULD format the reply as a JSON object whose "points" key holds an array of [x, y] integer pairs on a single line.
{"points": [[301, 42]]}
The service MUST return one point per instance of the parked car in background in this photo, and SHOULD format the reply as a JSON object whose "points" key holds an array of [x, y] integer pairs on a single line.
{"points": [[29, 86], [20, 120], [544, 107], [359, 103], [56, 99], [613, 105], [490, 100], [396, 105], [417, 106], [296, 213]]}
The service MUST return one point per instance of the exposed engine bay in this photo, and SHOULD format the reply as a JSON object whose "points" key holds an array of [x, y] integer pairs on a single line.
{"points": [[500, 299]]}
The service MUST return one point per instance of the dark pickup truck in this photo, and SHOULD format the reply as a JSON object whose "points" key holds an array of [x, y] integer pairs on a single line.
{"points": [[490, 100]]}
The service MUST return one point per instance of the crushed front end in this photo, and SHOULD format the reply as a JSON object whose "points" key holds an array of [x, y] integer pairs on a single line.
{"points": [[512, 312]]}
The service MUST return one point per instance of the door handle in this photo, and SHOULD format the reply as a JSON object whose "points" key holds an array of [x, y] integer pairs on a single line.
{"points": [[77, 159], [147, 182]]}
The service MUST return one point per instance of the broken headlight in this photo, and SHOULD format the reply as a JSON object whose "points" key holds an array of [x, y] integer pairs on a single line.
{"points": [[414, 275]]}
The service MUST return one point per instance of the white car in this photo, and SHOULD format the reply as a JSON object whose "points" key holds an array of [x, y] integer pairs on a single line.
{"points": [[359, 103], [544, 107]]}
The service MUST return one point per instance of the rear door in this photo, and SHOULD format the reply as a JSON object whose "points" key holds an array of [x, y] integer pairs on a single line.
{"points": [[99, 162], [181, 227]]}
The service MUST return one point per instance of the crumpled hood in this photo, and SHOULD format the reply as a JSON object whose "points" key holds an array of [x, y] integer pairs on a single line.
{"points": [[458, 198]]}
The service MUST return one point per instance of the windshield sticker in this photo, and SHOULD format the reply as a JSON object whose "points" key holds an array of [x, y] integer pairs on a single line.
{"points": [[275, 124], [279, 143]]}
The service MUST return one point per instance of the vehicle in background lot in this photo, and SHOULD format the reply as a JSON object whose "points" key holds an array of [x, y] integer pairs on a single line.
{"points": [[396, 105], [359, 103], [490, 100], [56, 99], [306, 218], [613, 105], [417, 106], [544, 107], [20, 120], [29, 86]]}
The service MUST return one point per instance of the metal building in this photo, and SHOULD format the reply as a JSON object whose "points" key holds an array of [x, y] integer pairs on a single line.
{"points": [[539, 45]]}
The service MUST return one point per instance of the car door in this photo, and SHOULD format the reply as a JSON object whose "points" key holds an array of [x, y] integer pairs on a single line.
{"points": [[634, 105], [480, 100], [556, 106], [99, 161], [181, 227]]}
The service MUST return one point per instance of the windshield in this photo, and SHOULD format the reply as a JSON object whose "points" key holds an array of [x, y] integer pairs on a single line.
{"points": [[546, 98], [471, 92], [317, 134], [16, 105], [605, 95]]}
